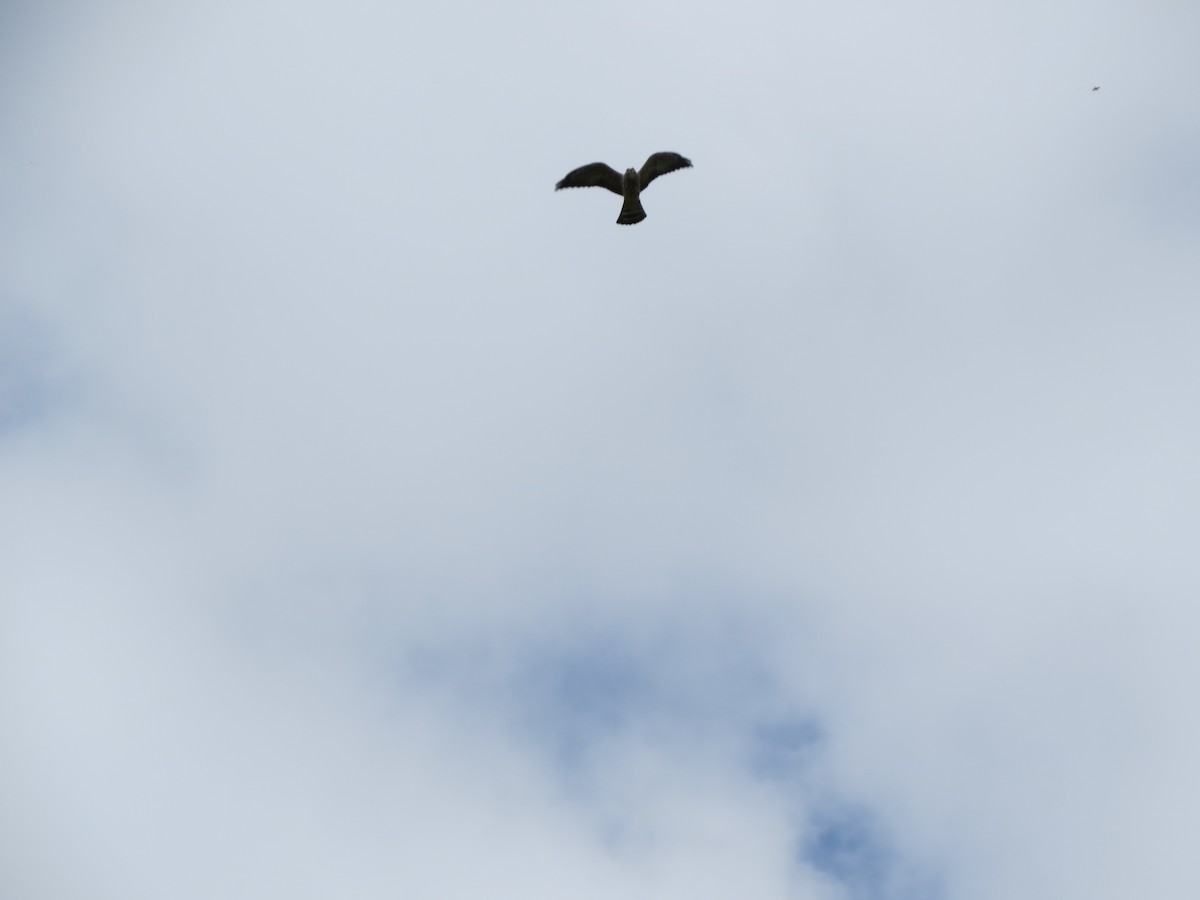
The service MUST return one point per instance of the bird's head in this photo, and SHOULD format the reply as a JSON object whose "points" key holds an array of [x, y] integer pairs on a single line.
{"points": [[631, 176]]}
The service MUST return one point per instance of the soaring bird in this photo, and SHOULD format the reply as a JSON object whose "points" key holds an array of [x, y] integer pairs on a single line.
{"points": [[630, 185]]}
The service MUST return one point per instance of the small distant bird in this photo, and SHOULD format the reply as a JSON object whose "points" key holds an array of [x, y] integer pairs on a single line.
{"points": [[1096, 88], [630, 185]]}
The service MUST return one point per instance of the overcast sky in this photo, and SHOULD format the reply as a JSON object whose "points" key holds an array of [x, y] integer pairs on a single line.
{"points": [[376, 522]]}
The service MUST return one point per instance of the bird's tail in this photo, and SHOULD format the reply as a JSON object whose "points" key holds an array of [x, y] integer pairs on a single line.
{"points": [[631, 211]]}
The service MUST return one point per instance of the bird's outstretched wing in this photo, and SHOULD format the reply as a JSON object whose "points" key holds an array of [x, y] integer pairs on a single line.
{"points": [[661, 164], [593, 175]]}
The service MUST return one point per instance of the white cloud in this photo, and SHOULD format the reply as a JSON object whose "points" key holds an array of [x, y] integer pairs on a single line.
{"points": [[375, 519]]}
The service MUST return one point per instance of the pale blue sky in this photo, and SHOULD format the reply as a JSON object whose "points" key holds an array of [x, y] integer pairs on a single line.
{"points": [[376, 521]]}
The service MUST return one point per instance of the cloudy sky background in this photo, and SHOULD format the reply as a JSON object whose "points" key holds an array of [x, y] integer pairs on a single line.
{"points": [[376, 522]]}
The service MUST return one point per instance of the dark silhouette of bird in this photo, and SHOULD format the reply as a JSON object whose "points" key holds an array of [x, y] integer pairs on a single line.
{"points": [[1096, 88], [630, 185]]}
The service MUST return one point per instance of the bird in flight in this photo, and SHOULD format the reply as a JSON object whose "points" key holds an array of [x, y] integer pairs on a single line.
{"points": [[1096, 88], [630, 185]]}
